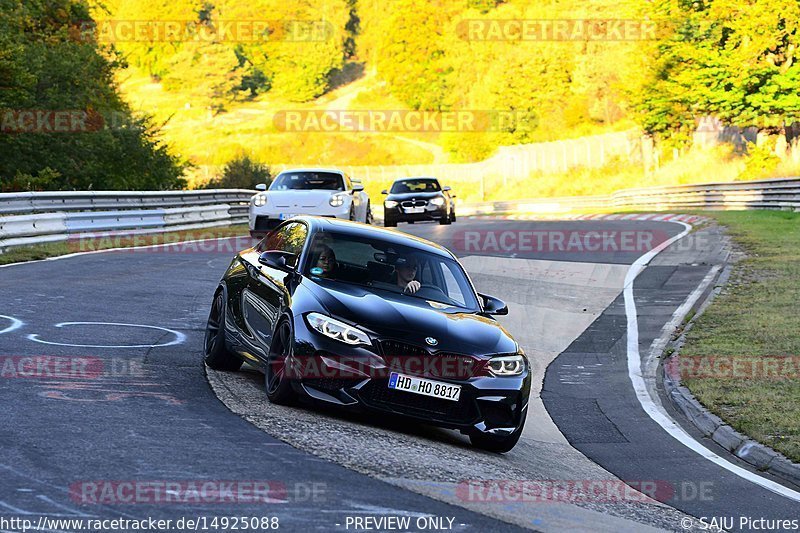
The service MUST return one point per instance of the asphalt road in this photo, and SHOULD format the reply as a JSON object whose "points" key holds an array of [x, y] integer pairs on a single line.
{"points": [[144, 411], [147, 414]]}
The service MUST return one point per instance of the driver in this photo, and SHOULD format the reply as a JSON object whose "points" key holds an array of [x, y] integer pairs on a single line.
{"points": [[406, 271]]}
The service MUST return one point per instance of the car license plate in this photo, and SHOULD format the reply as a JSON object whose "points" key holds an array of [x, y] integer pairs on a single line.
{"points": [[414, 209], [286, 216], [423, 386]]}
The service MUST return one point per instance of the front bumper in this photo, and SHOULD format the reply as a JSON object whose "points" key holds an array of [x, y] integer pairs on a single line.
{"points": [[265, 218], [323, 370], [432, 212]]}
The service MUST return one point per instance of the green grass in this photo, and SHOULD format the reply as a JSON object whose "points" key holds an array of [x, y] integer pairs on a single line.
{"points": [[209, 140], [755, 316], [43, 251]]}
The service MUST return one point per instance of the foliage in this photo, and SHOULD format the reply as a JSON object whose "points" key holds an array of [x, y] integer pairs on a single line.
{"points": [[731, 59], [46, 65], [241, 173], [760, 162], [293, 57]]}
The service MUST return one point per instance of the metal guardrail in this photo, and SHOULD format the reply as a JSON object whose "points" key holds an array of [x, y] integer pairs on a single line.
{"points": [[34, 218], [780, 193], [42, 202], [42, 217]]}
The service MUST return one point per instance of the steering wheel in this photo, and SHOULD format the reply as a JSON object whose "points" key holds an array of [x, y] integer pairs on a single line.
{"points": [[430, 287]]}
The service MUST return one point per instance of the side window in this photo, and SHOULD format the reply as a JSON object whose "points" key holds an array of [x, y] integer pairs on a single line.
{"points": [[425, 274], [453, 289], [289, 238]]}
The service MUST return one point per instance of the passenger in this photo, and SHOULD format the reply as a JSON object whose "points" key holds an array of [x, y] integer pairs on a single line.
{"points": [[326, 261], [406, 271]]}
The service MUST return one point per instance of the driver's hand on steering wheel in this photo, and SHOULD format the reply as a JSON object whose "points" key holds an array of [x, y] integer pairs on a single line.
{"points": [[412, 287]]}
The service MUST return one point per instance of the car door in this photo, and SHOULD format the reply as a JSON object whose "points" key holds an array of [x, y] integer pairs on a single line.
{"points": [[359, 205], [267, 293]]}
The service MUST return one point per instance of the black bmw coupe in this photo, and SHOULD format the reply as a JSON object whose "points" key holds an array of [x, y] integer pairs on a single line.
{"points": [[374, 320], [417, 199]]}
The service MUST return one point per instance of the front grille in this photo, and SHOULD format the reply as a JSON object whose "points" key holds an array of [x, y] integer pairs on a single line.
{"points": [[377, 393], [415, 360], [330, 384], [265, 223], [414, 203]]}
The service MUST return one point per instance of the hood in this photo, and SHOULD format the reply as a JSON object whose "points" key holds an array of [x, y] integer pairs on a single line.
{"points": [[418, 195], [411, 320], [299, 198]]}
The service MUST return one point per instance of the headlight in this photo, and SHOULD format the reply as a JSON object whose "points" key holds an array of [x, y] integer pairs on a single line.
{"points": [[438, 201], [390, 204], [507, 365], [337, 330], [260, 200], [337, 200]]}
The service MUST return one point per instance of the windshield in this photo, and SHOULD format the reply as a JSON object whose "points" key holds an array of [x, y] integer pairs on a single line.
{"points": [[416, 185], [328, 181], [385, 266]]}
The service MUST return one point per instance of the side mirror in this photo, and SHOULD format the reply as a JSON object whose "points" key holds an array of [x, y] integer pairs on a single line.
{"points": [[261, 187], [278, 260], [384, 191], [446, 188], [493, 306], [357, 187]]}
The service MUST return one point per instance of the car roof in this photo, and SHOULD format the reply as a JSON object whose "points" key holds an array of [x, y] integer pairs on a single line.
{"points": [[347, 227], [312, 169]]}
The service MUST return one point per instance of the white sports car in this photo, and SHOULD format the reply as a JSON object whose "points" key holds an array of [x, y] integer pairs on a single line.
{"points": [[312, 191]]}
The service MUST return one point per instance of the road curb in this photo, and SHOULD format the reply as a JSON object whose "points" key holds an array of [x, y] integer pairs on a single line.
{"points": [[762, 457], [644, 216]]}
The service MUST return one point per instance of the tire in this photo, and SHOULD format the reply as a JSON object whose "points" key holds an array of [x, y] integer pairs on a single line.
{"points": [[352, 216], [410, 221], [389, 223], [453, 216], [217, 355], [496, 444], [444, 221], [279, 388], [370, 219]]}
